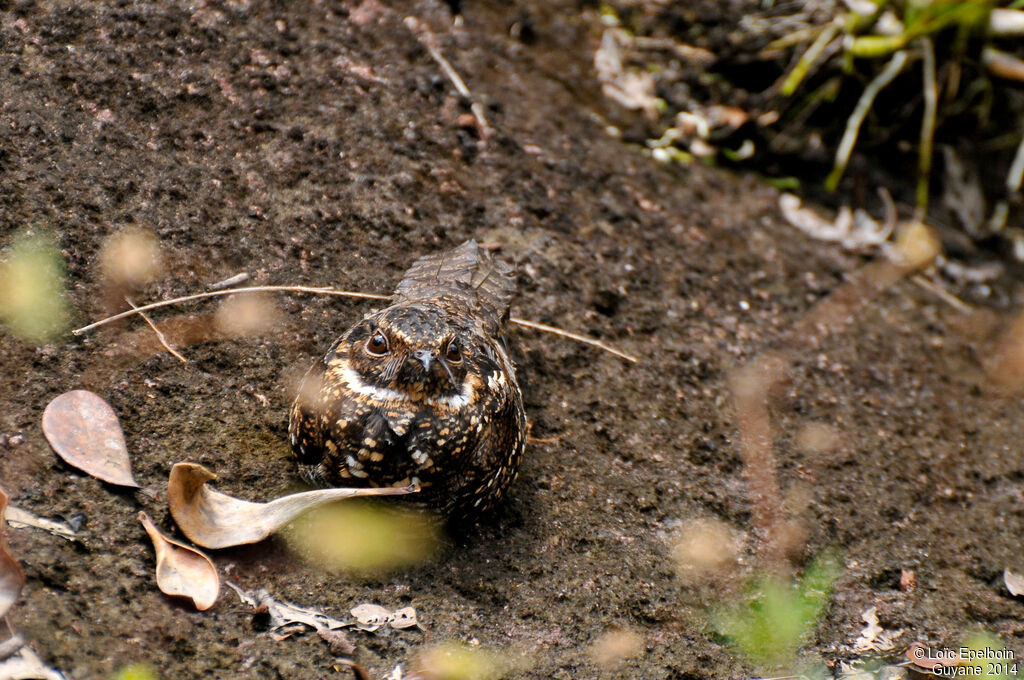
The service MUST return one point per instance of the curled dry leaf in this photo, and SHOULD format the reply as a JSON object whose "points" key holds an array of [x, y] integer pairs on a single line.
{"points": [[84, 431], [182, 571], [12, 577], [215, 520]]}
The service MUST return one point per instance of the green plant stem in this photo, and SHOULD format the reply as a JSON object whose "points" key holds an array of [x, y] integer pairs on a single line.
{"points": [[867, 98], [803, 66], [927, 123]]}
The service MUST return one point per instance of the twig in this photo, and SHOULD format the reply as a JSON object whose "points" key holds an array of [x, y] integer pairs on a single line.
{"points": [[341, 293], [159, 335], [943, 294], [241, 277], [429, 42], [217, 293], [530, 439], [867, 98], [574, 336]]}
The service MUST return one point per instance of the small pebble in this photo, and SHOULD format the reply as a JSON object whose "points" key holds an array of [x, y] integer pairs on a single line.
{"points": [[76, 521]]}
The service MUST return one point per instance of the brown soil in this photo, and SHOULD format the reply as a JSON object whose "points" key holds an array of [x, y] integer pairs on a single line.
{"points": [[311, 143]]}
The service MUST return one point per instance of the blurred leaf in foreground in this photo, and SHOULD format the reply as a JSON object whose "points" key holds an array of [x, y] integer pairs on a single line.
{"points": [[363, 537], [988, 658], [454, 661], [136, 671], [32, 303], [777, 615]]}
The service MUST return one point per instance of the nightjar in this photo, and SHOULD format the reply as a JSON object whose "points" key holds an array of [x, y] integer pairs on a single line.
{"points": [[421, 392]]}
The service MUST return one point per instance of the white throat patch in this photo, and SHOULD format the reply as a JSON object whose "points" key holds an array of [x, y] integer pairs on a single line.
{"points": [[356, 384]]}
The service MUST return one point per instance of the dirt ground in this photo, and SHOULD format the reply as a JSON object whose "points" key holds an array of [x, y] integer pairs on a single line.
{"points": [[318, 143]]}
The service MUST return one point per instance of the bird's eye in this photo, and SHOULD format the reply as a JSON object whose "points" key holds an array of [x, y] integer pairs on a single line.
{"points": [[377, 345], [453, 352]]}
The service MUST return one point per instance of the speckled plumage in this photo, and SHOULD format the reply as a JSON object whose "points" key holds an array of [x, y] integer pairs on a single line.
{"points": [[422, 391]]}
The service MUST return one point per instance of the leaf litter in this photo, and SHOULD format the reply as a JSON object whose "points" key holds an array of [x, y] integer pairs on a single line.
{"points": [[17, 660], [216, 520], [20, 519], [12, 576], [25, 664], [84, 431], [182, 571], [287, 619]]}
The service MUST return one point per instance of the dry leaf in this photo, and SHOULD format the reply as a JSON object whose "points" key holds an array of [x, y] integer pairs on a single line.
{"points": [[358, 672], [215, 520], [25, 664], [182, 571], [285, 614], [1014, 582], [873, 637], [338, 642], [370, 617], [12, 577], [404, 618], [84, 431], [922, 657], [19, 518], [854, 229], [631, 89]]}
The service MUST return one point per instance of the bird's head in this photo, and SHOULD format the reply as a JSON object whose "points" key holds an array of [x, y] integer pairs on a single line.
{"points": [[415, 352]]}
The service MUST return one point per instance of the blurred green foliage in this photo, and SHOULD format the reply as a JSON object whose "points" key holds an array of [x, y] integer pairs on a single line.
{"points": [[32, 302], [776, 615], [136, 671]]}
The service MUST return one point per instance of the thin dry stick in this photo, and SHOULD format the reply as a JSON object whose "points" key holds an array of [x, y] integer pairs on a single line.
{"points": [[159, 334], [217, 293], [429, 42], [342, 293], [574, 336], [943, 294]]}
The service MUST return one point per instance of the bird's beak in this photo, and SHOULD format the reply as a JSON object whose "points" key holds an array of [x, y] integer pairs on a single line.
{"points": [[425, 357]]}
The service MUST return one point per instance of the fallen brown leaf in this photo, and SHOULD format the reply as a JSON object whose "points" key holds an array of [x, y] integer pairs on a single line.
{"points": [[215, 520], [182, 571], [12, 577], [84, 431]]}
